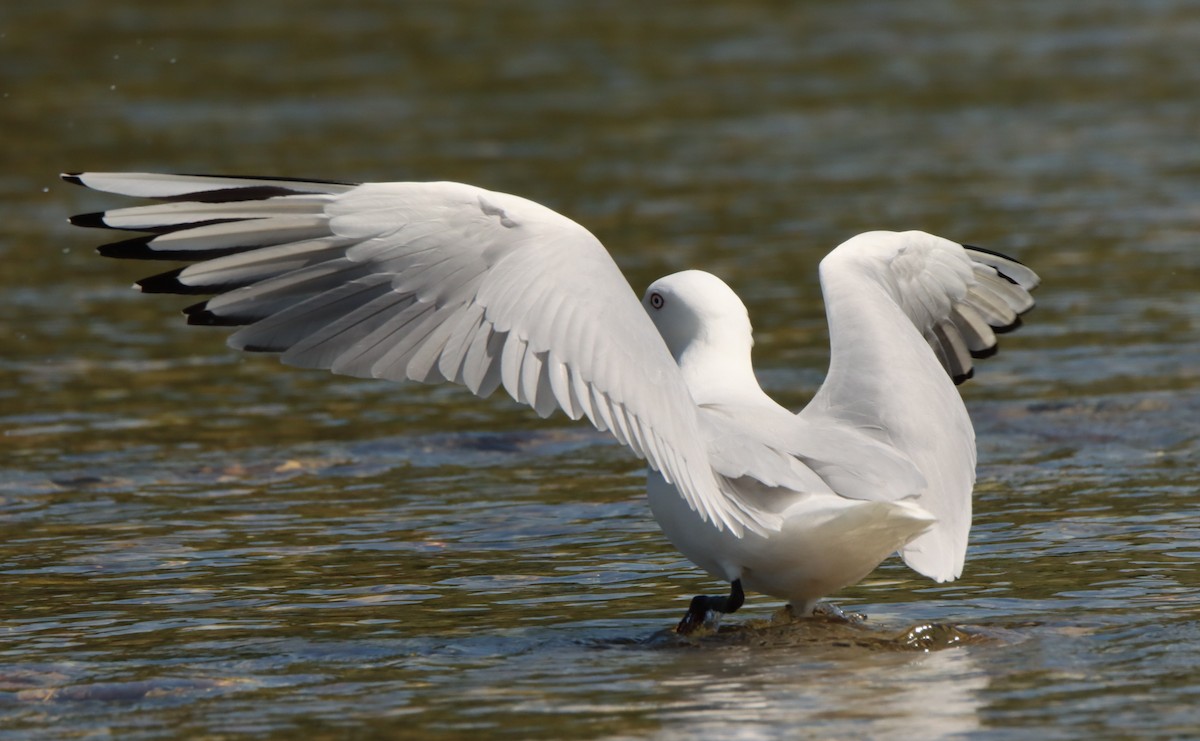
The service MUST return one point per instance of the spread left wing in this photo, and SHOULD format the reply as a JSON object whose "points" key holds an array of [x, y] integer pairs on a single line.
{"points": [[905, 310]]}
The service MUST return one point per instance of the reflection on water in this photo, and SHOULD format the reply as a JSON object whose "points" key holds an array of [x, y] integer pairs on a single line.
{"points": [[900, 695], [198, 544]]}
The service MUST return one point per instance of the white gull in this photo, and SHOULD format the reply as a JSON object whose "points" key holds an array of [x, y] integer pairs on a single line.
{"points": [[438, 282]]}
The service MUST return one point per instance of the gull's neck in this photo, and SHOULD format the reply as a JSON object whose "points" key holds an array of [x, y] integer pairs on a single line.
{"points": [[717, 370]]}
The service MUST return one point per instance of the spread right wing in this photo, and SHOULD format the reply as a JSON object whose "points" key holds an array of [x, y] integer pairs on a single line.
{"points": [[429, 282]]}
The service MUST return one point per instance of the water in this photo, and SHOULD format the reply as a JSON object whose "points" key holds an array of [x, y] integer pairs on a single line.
{"points": [[194, 543]]}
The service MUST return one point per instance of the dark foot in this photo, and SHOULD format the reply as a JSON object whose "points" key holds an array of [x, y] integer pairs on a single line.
{"points": [[708, 610], [784, 615], [830, 611]]}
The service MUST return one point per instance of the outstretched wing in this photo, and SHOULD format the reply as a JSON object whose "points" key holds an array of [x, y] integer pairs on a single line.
{"points": [[429, 282], [891, 298]]}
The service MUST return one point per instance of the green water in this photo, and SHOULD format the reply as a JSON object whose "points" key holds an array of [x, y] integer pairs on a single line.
{"points": [[198, 544]]}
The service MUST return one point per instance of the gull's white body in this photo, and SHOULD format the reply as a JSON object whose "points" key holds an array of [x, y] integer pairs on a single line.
{"points": [[448, 282], [848, 490], [827, 542]]}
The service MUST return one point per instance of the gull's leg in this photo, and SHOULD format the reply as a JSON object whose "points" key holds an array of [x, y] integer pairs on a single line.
{"points": [[708, 610]]}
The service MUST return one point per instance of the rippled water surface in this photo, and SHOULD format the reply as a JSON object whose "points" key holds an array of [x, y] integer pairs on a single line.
{"points": [[194, 543]]}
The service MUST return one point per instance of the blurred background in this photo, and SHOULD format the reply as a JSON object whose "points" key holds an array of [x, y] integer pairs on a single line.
{"points": [[197, 543]]}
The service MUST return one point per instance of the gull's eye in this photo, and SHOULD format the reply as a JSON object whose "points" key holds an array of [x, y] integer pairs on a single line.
{"points": [[656, 300]]}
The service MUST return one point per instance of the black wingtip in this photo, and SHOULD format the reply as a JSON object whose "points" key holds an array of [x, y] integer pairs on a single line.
{"points": [[993, 253], [1002, 256], [276, 178], [127, 249], [94, 220], [199, 315], [986, 352], [237, 194], [72, 177], [1009, 327], [964, 377], [169, 282], [138, 248], [203, 319]]}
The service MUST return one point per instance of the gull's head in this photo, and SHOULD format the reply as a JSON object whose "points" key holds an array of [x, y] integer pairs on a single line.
{"points": [[696, 312]]}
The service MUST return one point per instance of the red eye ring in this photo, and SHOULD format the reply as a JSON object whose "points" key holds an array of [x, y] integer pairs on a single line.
{"points": [[656, 300]]}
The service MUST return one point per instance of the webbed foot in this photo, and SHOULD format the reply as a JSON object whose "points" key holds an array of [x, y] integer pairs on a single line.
{"points": [[707, 611], [830, 611]]}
